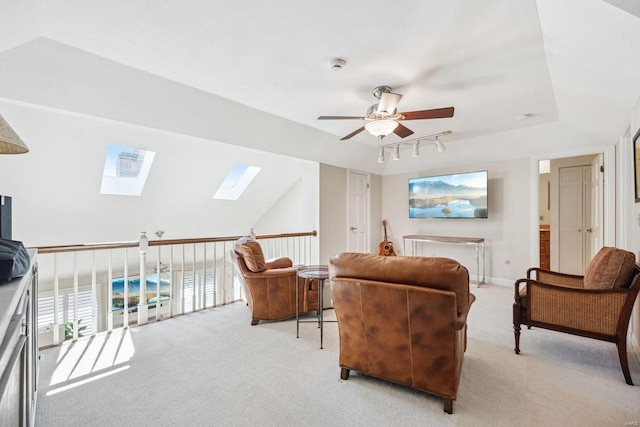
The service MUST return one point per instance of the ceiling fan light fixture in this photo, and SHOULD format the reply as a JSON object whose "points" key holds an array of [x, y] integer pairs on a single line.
{"points": [[381, 128]]}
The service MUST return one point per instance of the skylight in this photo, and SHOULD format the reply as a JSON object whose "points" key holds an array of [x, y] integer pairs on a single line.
{"points": [[125, 170], [236, 182]]}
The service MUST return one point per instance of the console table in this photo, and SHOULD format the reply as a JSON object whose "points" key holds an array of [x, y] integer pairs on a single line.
{"points": [[477, 241]]}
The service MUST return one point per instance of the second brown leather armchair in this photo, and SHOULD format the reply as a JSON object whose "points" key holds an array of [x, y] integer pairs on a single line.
{"points": [[402, 319]]}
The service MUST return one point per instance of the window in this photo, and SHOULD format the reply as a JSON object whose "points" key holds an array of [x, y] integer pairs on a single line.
{"points": [[236, 182], [125, 170], [66, 308]]}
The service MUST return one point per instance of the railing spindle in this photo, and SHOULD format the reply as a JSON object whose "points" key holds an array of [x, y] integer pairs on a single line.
{"points": [[56, 302], [125, 313], [75, 296], [110, 293], [94, 297]]}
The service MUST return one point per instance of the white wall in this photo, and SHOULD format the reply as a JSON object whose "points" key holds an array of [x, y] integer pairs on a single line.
{"points": [[506, 231], [333, 211], [293, 212], [55, 187], [630, 210], [334, 184]]}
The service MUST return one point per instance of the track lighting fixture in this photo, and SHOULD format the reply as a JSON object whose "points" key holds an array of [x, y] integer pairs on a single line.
{"points": [[415, 152]]}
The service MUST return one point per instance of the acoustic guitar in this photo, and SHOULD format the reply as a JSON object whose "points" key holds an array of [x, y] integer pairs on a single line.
{"points": [[386, 247]]}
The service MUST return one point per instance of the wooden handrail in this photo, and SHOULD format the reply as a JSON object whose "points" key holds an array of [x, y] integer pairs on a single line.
{"points": [[134, 244]]}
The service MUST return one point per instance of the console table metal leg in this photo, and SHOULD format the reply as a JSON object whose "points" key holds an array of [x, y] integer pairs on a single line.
{"points": [[297, 308], [484, 264], [478, 263], [321, 307]]}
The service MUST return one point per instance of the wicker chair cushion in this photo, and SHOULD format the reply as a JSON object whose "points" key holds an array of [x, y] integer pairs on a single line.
{"points": [[610, 268], [251, 253]]}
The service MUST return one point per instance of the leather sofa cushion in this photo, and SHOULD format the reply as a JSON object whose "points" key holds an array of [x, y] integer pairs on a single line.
{"points": [[433, 272], [610, 268], [251, 253]]}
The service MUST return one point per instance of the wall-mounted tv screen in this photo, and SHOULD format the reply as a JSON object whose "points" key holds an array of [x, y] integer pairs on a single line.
{"points": [[461, 195]]}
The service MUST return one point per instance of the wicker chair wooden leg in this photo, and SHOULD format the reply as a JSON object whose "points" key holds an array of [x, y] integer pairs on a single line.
{"points": [[516, 327], [344, 374], [448, 406], [624, 363], [254, 322]]}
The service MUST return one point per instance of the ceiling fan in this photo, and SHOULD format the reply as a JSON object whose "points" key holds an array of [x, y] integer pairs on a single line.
{"points": [[383, 117]]}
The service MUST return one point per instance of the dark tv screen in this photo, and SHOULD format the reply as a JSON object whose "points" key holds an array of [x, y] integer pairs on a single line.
{"points": [[461, 195]]}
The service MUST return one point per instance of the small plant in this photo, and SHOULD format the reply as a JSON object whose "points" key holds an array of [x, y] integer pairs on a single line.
{"points": [[68, 330]]}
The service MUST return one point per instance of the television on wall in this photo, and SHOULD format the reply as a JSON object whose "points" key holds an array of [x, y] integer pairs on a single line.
{"points": [[460, 195]]}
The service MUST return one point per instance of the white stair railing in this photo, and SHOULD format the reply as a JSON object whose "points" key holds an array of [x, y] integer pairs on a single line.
{"points": [[172, 277]]}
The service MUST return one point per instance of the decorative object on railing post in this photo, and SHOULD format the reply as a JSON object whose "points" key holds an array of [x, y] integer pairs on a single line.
{"points": [[143, 307], [252, 234], [158, 273], [10, 142]]}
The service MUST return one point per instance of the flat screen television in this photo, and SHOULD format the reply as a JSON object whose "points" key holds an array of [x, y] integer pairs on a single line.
{"points": [[460, 195]]}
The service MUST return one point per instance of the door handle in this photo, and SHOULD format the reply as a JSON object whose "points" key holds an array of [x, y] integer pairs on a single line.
{"points": [[354, 228], [589, 230], [579, 230]]}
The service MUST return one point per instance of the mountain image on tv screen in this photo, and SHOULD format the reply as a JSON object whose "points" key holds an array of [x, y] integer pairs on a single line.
{"points": [[461, 195]]}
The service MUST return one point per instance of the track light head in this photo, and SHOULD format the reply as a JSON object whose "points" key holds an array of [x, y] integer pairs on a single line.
{"points": [[396, 152], [416, 149], [440, 146]]}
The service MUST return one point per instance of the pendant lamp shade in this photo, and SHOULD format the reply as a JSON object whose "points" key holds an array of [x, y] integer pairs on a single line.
{"points": [[10, 142]]}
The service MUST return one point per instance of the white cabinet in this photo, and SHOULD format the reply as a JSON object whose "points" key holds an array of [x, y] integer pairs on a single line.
{"points": [[19, 349]]}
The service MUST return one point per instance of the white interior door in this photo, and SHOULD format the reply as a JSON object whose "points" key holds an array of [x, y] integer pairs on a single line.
{"points": [[595, 227], [358, 212], [571, 250]]}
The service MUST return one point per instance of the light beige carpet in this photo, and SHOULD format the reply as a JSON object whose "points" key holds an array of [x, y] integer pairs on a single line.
{"points": [[213, 368]]}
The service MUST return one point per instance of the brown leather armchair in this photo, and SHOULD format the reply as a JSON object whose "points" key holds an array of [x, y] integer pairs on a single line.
{"points": [[597, 305], [270, 285], [402, 319]]}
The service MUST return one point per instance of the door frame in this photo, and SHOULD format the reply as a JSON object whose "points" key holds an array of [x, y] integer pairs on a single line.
{"points": [[368, 208], [609, 200]]}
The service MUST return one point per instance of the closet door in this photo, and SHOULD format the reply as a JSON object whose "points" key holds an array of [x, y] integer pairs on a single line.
{"points": [[571, 212]]}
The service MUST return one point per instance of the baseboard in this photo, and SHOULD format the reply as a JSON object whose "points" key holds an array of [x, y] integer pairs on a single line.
{"points": [[496, 281]]}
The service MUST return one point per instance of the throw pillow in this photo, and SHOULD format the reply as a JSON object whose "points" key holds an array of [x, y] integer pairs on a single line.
{"points": [[251, 253], [610, 268]]}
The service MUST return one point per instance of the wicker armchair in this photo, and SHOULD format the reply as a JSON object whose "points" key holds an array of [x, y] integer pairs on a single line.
{"points": [[597, 305]]}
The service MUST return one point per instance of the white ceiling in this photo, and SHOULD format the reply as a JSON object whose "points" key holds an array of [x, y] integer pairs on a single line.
{"points": [[571, 63]]}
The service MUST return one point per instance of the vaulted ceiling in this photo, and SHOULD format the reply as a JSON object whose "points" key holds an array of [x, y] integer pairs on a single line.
{"points": [[232, 71]]}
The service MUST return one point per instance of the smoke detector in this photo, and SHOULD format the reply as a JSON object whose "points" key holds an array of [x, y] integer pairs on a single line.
{"points": [[336, 64]]}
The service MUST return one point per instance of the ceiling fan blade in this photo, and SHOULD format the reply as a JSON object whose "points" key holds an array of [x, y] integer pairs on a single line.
{"points": [[437, 113], [402, 131], [354, 133], [388, 103], [340, 118]]}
